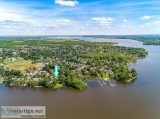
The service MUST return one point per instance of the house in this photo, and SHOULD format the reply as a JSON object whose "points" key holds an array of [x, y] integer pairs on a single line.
{"points": [[0, 50], [1, 65], [40, 66], [14, 53], [36, 79], [33, 72], [12, 59], [24, 51]]}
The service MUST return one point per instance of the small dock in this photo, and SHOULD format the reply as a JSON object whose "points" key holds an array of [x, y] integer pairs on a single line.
{"points": [[111, 84], [100, 82], [104, 82]]}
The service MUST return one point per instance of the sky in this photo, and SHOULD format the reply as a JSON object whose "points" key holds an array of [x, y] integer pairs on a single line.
{"points": [[79, 17]]}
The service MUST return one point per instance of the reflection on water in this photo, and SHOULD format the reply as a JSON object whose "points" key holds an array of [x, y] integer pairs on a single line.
{"points": [[139, 99], [92, 83]]}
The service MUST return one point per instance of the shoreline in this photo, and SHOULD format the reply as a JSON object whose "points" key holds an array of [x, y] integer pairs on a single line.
{"points": [[128, 81], [1, 81]]}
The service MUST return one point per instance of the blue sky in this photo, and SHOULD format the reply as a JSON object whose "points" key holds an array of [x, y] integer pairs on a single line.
{"points": [[79, 17]]}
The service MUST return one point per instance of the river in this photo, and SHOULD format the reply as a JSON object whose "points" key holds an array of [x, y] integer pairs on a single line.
{"points": [[139, 99]]}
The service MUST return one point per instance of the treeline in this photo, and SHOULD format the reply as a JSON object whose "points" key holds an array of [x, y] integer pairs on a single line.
{"points": [[149, 41], [10, 73], [67, 77]]}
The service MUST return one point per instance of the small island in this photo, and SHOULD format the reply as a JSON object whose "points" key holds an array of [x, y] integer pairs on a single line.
{"points": [[30, 62]]}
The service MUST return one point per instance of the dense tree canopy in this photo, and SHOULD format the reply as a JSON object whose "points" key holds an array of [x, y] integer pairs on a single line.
{"points": [[77, 60]]}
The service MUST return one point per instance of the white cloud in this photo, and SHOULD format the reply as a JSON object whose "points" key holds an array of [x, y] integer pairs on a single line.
{"points": [[103, 20], [63, 22], [122, 26], [154, 23], [70, 3], [6, 14], [129, 26], [146, 17], [125, 20], [142, 26]]}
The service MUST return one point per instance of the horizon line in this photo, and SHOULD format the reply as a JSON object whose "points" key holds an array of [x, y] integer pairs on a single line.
{"points": [[83, 35]]}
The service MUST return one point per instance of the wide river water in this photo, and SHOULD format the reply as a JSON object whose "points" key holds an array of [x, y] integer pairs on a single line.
{"points": [[139, 99]]}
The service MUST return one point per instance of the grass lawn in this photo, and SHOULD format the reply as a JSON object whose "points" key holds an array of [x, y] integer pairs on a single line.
{"points": [[20, 65], [18, 41], [58, 86]]}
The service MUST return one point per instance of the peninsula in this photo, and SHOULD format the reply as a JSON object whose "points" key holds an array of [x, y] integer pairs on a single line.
{"points": [[30, 62]]}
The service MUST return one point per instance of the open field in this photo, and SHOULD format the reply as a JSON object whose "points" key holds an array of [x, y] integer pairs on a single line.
{"points": [[20, 65]]}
